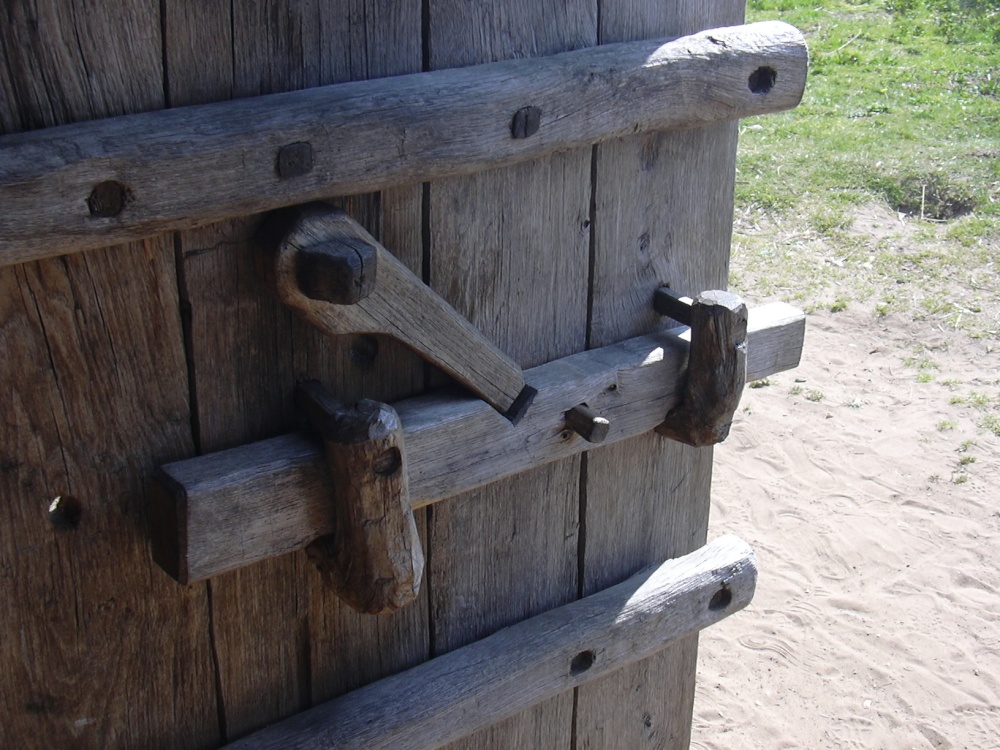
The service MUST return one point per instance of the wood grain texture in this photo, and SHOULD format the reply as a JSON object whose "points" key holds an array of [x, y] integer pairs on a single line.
{"points": [[399, 304], [97, 648], [184, 168], [281, 639], [663, 215], [238, 506], [484, 682], [508, 551]]}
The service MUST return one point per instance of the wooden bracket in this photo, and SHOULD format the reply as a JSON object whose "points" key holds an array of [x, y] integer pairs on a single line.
{"points": [[331, 272], [717, 365], [452, 696], [373, 558]]}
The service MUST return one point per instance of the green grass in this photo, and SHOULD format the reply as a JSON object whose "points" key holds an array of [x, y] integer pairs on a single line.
{"points": [[901, 110], [902, 105]]}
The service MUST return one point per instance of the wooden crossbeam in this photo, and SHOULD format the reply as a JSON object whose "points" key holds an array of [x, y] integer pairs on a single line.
{"points": [[99, 183], [454, 695], [226, 510]]}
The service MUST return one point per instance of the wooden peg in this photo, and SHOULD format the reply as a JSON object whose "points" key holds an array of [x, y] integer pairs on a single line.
{"points": [[586, 423], [716, 371], [341, 272], [373, 559], [670, 304]]}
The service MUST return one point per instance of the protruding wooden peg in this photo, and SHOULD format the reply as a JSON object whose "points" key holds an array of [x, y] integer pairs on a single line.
{"points": [[716, 371], [373, 559], [341, 272], [586, 423], [669, 303]]}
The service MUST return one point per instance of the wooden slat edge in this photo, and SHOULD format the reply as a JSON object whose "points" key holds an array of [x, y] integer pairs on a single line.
{"points": [[473, 687], [264, 499], [104, 182]]}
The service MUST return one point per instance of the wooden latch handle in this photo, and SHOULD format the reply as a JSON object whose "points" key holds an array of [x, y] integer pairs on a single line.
{"points": [[331, 272], [373, 559], [717, 365]]}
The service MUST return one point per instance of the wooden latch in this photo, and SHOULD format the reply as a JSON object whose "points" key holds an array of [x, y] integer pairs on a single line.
{"points": [[350, 500], [323, 265]]}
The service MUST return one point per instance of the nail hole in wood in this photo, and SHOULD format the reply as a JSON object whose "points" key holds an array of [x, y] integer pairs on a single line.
{"points": [[582, 662], [526, 122], [65, 512], [363, 351], [721, 599], [388, 462], [107, 199], [762, 80]]}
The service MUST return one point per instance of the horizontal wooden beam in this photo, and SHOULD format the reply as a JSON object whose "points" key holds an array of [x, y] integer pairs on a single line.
{"points": [[226, 510], [99, 183], [473, 687]]}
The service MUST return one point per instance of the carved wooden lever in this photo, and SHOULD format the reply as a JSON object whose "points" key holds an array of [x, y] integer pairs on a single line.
{"points": [[717, 364], [330, 271], [373, 558]]}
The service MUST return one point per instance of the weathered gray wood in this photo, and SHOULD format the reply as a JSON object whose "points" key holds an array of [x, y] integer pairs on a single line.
{"points": [[97, 648], [716, 371], [373, 559], [399, 304], [280, 637], [238, 506], [489, 680], [187, 167], [663, 216], [497, 554]]}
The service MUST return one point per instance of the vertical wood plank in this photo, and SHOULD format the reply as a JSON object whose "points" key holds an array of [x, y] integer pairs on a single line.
{"points": [[663, 214], [282, 641], [97, 647], [509, 250]]}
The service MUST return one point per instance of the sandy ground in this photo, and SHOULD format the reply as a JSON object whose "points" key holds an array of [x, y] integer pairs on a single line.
{"points": [[875, 513]]}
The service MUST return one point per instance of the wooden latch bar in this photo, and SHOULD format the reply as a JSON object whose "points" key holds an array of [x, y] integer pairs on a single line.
{"points": [[93, 184], [225, 510]]}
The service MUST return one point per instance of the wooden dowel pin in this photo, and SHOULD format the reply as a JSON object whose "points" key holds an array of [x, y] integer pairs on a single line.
{"points": [[586, 423], [373, 559]]}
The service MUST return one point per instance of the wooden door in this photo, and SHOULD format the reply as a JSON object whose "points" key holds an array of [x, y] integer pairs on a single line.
{"points": [[117, 360]]}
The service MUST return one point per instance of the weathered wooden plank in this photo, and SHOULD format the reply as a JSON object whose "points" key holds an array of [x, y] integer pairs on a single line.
{"points": [[97, 648], [281, 639], [93, 184], [489, 680], [496, 555], [663, 216], [238, 506]]}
